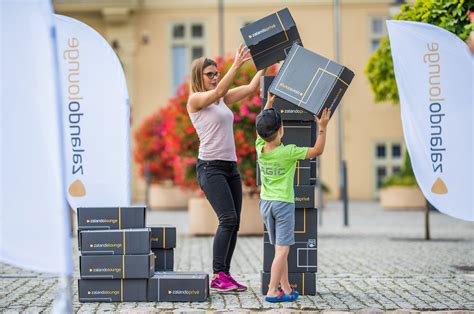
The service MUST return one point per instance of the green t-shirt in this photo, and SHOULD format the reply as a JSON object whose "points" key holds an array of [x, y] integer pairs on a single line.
{"points": [[277, 170]]}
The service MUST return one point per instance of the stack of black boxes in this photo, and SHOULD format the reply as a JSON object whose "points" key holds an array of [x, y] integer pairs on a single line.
{"points": [[305, 85], [124, 261], [300, 129], [116, 259]]}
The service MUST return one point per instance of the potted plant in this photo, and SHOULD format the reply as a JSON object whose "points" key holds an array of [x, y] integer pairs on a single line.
{"points": [[400, 191]]}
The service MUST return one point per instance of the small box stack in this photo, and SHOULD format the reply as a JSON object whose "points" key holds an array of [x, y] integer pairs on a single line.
{"points": [[163, 242], [116, 259]]}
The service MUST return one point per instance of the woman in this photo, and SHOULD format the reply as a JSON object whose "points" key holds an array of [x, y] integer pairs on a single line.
{"points": [[217, 171]]}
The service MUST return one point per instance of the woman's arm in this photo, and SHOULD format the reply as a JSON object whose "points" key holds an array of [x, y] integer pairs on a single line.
{"points": [[200, 100], [241, 92]]}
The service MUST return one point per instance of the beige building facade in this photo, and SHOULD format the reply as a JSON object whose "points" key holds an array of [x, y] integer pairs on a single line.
{"points": [[156, 41]]}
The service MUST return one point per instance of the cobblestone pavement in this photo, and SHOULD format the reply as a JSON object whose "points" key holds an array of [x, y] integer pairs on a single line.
{"points": [[379, 262]]}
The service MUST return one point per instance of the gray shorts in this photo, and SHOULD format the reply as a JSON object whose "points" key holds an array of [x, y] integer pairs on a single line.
{"points": [[279, 218]]}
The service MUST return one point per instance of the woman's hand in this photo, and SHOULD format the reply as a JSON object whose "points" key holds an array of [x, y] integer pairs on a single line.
{"points": [[323, 121], [242, 55]]}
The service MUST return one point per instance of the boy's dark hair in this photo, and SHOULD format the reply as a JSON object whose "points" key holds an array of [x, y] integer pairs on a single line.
{"points": [[267, 123]]}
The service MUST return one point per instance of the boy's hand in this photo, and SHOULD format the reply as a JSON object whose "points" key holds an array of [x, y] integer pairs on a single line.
{"points": [[323, 121], [270, 100]]}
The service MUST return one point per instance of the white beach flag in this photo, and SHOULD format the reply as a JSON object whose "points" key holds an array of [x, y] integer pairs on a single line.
{"points": [[34, 220], [434, 71], [96, 117]]}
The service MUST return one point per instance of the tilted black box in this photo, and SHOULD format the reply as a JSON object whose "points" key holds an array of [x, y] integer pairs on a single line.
{"points": [[287, 110], [178, 287], [90, 218], [304, 283], [163, 236], [306, 225], [112, 290], [270, 38], [303, 256], [115, 242], [116, 266], [164, 260], [311, 81]]}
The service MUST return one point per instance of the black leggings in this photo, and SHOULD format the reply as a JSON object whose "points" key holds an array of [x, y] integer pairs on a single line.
{"points": [[220, 180]]}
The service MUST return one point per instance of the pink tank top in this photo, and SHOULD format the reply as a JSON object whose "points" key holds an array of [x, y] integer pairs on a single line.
{"points": [[215, 128]]}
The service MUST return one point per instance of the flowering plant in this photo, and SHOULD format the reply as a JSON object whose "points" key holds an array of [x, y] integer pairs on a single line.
{"points": [[168, 145]]}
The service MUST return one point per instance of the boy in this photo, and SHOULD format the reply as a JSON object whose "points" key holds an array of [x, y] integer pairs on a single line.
{"points": [[277, 164]]}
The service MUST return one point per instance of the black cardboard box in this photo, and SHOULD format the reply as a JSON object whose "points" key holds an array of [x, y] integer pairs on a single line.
{"points": [[112, 290], [115, 242], [178, 287], [116, 266], [306, 225], [311, 81], [164, 260], [304, 283], [304, 196], [300, 133], [303, 256], [305, 173], [270, 38], [89, 218], [287, 110], [163, 236]]}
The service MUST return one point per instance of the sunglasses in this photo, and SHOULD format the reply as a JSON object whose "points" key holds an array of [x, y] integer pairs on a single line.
{"points": [[212, 75]]}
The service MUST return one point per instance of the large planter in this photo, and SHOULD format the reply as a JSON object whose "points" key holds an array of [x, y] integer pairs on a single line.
{"points": [[402, 198], [165, 196], [203, 220]]}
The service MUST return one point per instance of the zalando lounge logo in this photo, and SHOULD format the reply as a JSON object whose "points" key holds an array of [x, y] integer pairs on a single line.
{"points": [[437, 150], [74, 101]]}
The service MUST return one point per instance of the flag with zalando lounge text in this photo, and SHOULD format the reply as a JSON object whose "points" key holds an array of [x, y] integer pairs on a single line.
{"points": [[34, 216], [96, 117], [434, 71]]}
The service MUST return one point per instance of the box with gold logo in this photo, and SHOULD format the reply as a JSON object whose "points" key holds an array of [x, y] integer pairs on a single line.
{"points": [[112, 290], [178, 287], [164, 260], [163, 236], [304, 196], [287, 110], [115, 242], [116, 266], [306, 225], [90, 218], [300, 133], [270, 38], [302, 257], [311, 81], [304, 283]]}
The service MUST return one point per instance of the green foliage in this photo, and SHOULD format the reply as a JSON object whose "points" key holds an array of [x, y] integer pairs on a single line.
{"points": [[448, 14], [405, 177]]}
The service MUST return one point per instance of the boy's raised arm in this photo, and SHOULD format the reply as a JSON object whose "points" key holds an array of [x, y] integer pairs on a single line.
{"points": [[318, 147]]}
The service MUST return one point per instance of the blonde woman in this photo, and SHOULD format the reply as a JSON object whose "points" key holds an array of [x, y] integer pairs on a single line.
{"points": [[217, 171]]}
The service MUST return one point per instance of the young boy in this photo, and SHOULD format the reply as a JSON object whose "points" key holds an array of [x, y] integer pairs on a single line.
{"points": [[277, 164]]}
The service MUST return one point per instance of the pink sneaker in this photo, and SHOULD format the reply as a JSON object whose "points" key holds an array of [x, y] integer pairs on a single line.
{"points": [[221, 283], [240, 287]]}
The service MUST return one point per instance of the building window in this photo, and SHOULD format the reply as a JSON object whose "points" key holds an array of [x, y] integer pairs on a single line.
{"points": [[387, 161], [187, 44], [377, 31]]}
